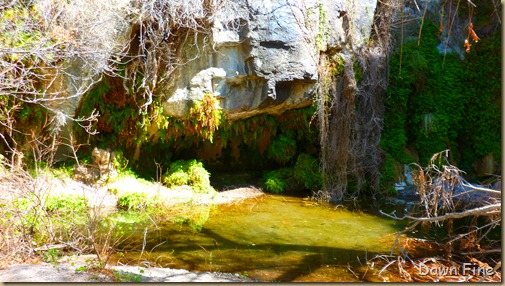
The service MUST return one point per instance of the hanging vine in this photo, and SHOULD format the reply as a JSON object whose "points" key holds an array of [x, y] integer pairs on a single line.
{"points": [[351, 109]]}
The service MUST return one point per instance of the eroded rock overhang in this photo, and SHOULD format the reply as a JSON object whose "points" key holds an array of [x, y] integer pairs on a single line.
{"points": [[264, 58]]}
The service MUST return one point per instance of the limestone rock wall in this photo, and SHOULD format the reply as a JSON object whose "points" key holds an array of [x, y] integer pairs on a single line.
{"points": [[264, 59]]}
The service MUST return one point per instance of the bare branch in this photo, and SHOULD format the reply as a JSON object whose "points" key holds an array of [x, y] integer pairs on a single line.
{"points": [[486, 210]]}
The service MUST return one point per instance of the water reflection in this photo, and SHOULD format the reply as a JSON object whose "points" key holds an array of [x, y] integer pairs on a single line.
{"points": [[273, 238]]}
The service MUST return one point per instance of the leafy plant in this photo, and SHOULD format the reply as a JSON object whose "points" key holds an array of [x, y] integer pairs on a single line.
{"points": [[191, 173], [64, 171], [66, 204], [127, 276], [204, 117], [119, 162], [484, 86], [275, 185], [133, 201], [177, 178], [306, 172], [52, 256], [437, 102], [83, 268], [386, 183], [282, 149], [199, 178], [276, 181]]}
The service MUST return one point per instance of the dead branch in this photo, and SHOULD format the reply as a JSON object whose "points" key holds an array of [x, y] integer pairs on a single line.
{"points": [[442, 187], [485, 211]]}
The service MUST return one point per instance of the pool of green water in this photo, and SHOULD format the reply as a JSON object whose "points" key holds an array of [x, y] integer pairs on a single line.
{"points": [[272, 238]]}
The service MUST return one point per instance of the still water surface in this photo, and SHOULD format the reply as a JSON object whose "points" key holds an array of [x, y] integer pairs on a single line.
{"points": [[273, 238]]}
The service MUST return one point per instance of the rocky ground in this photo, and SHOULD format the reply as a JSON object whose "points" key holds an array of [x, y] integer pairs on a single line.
{"points": [[75, 269], [107, 194]]}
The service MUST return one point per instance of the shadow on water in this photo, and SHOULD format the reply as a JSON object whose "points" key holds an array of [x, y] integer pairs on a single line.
{"points": [[288, 262], [273, 238]]}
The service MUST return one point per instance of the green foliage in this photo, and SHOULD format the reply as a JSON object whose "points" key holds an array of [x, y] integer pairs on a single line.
{"points": [[386, 183], [177, 178], [18, 29], [52, 256], [120, 162], [199, 178], [119, 120], [177, 174], [32, 113], [297, 124], [482, 126], [83, 268], [275, 185], [66, 204], [323, 32], [188, 173], [307, 172], [358, 71], [276, 181], [161, 121], [204, 117], [122, 276], [243, 274], [65, 170], [282, 149], [159, 136], [63, 215], [436, 103], [133, 201]]}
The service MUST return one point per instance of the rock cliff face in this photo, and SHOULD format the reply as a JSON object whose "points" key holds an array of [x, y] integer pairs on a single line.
{"points": [[264, 59]]}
